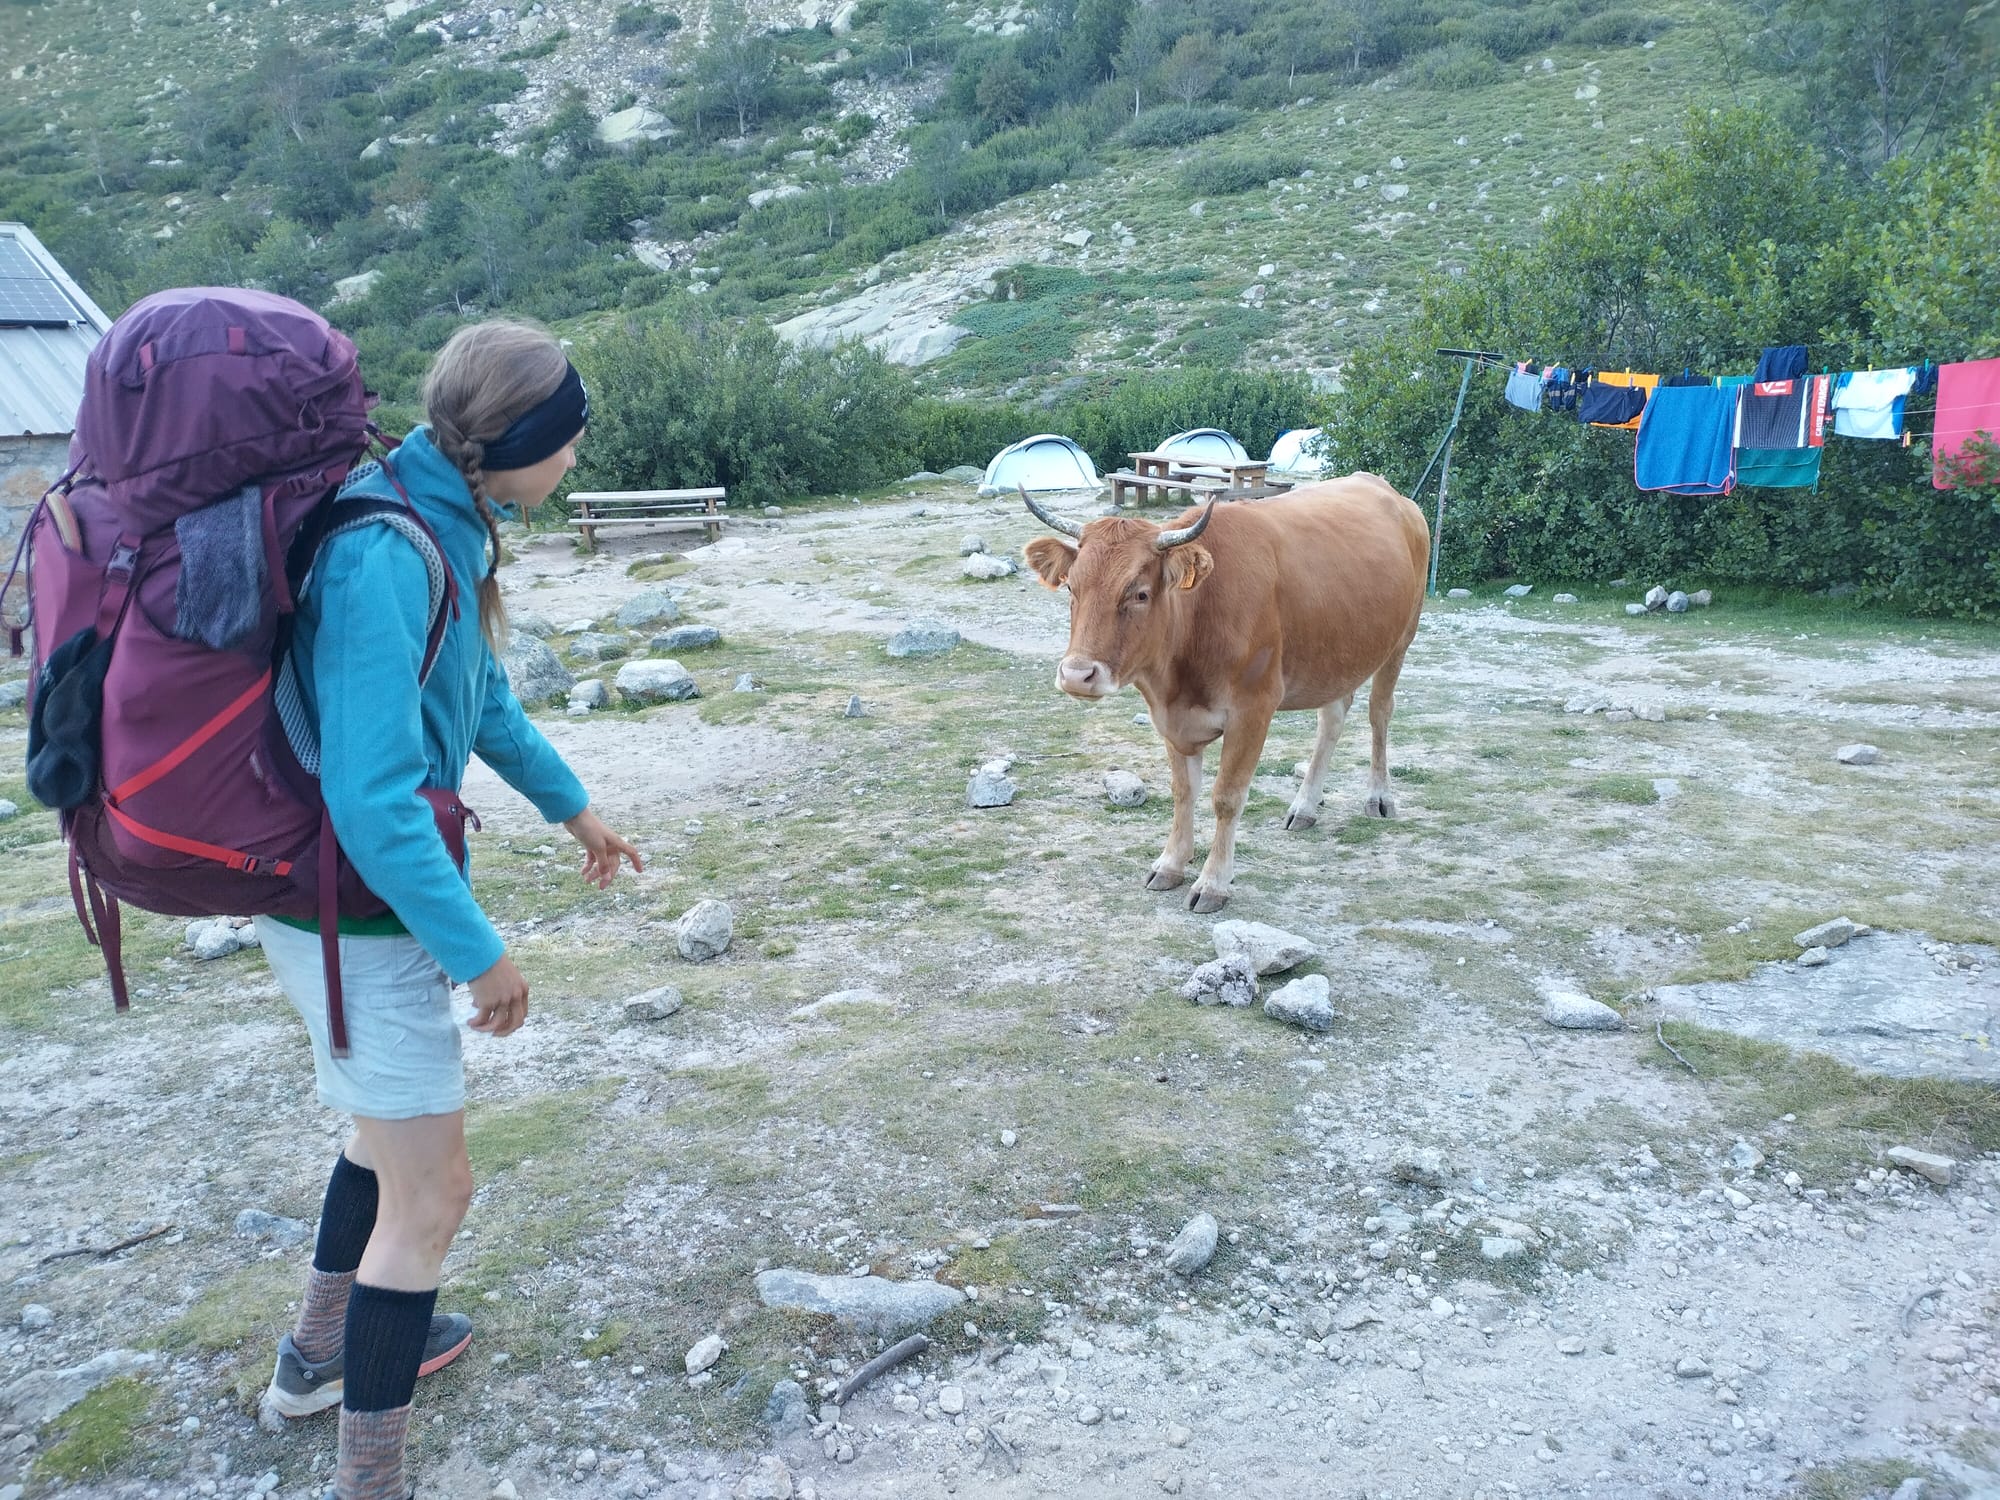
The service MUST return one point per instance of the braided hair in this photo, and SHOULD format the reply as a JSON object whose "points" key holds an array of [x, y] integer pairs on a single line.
{"points": [[486, 377]]}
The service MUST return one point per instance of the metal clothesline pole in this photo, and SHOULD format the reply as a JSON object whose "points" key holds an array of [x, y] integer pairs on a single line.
{"points": [[1441, 458]]}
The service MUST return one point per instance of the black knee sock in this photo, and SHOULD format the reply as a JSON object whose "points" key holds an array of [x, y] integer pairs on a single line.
{"points": [[347, 1217], [385, 1345]]}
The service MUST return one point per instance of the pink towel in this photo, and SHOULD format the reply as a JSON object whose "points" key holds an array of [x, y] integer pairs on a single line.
{"points": [[1968, 402]]}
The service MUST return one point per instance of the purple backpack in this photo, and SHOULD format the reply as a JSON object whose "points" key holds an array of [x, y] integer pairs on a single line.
{"points": [[216, 429]]}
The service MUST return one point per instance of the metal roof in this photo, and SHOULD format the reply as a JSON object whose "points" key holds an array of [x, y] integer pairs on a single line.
{"points": [[41, 369]]}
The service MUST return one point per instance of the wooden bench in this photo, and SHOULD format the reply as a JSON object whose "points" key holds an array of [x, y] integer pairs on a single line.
{"points": [[621, 509], [1141, 486]]}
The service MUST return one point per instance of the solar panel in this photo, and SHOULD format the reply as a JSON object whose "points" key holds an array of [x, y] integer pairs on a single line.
{"points": [[28, 295]]}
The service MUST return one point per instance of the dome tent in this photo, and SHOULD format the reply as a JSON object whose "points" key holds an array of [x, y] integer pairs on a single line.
{"points": [[1047, 461], [1199, 444], [1300, 452]]}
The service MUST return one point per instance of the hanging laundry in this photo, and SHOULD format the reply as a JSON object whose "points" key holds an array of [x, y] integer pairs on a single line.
{"points": [[1687, 441], [1615, 399], [1869, 403], [1968, 404], [1524, 388], [1686, 377], [1559, 387], [1784, 413], [1781, 362], [1771, 468]]}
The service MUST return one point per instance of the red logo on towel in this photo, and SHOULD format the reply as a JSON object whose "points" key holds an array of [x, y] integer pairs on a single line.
{"points": [[1773, 388]]}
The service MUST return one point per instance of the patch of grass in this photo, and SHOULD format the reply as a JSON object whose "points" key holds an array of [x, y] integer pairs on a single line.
{"points": [[501, 1137], [609, 1340], [98, 1434], [249, 1303], [1634, 790], [1864, 1478]]}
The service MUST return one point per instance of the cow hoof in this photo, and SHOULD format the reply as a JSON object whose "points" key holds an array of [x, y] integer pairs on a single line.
{"points": [[1165, 880], [1381, 805], [1299, 822], [1204, 899]]}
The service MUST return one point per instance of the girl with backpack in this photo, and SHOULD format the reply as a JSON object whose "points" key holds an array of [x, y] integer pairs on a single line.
{"points": [[505, 410]]}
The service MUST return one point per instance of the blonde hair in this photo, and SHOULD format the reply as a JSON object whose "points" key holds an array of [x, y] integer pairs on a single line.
{"points": [[484, 379]]}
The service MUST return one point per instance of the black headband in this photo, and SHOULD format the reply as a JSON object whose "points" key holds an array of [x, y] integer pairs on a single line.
{"points": [[545, 430]]}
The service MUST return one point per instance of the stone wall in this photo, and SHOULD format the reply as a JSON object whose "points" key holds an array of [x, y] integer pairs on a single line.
{"points": [[28, 466]]}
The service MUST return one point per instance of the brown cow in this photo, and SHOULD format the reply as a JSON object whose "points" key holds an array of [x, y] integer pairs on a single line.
{"points": [[1236, 613]]}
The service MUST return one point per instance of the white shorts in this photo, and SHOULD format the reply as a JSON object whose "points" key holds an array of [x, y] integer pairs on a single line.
{"points": [[403, 1044]]}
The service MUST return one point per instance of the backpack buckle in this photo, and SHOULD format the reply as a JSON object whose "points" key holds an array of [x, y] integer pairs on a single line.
{"points": [[124, 558]]}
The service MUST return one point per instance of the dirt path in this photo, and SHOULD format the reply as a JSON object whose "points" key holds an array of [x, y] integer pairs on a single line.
{"points": [[1675, 1314]]}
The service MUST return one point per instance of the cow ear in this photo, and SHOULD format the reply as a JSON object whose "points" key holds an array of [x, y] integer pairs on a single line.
{"points": [[1051, 558], [1188, 564]]}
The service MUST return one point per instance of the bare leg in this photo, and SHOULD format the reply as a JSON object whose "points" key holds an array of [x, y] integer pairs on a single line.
{"points": [[1305, 807], [425, 1183], [1381, 801], [1170, 869], [1242, 745]]}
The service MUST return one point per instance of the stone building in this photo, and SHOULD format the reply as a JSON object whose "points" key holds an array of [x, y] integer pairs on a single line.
{"points": [[48, 326]]}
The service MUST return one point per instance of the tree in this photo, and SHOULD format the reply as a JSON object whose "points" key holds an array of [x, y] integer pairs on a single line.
{"points": [[1003, 91], [905, 23], [1193, 68], [938, 165], [1093, 38], [1145, 48], [736, 63]]}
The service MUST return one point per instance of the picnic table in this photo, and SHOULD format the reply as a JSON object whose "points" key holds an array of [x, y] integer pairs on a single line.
{"points": [[618, 510], [1168, 474]]}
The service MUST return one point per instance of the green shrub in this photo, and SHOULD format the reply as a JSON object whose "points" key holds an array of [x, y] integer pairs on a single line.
{"points": [[1460, 65], [1218, 176], [1180, 124], [644, 22], [1618, 28]]}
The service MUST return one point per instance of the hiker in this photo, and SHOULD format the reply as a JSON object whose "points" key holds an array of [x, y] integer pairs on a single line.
{"points": [[505, 409]]}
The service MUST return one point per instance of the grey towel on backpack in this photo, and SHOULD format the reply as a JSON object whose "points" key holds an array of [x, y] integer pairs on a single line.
{"points": [[219, 597]]}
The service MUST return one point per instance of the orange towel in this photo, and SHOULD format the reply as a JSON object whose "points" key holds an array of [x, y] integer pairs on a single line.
{"points": [[1646, 383]]}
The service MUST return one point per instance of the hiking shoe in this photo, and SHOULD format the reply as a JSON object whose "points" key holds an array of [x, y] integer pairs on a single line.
{"points": [[299, 1387]]}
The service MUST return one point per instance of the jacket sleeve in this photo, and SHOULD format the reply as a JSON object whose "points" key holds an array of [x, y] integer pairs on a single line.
{"points": [[508, 742], [373, 598]]}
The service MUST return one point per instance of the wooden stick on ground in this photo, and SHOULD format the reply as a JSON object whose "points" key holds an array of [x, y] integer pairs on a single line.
{"points": [[882, 1363], [1660, 1036], [110, 1250]]}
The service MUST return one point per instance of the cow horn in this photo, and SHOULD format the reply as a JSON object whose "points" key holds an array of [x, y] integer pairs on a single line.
{"points": [[1054, 523], [1166, 541]]}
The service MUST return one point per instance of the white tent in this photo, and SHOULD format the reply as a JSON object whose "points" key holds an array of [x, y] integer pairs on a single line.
{"points": [[1043, 462], [1200, 443], [1299, 452]]}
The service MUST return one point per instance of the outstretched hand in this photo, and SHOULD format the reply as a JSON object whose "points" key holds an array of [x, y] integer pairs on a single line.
{"points": [[602, 849]]}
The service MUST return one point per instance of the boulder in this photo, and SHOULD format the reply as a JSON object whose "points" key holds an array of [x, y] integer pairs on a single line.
{"points": [[648, 607], [1938, 1169], [1572, 1011], [597, 645], [1269, 949], [985, 566], [627, 126], [989, 786], [1829, 934], [1222, 981], [653, 1005], [1519, 590], [1656, 598], [664, 681], [1123, 789], [970, 543], [590, 693], [534, 671], [1677, 603], [870, 1305], [923, 638], [1305, 1002], [1194, 1247], [687, 638], [704, 931], [1857, 755], [963, 474]]}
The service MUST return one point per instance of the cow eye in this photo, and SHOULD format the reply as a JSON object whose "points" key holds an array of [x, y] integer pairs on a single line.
{"points": [[1140, 597]]}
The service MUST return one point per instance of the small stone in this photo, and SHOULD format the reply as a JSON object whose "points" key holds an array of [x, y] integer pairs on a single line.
{"points": [[653, 1005], [989, 786], [585, 1461], [1691, 1368], [1008, 1138], [951, 1400], [1425, 1166], [1565, 599], [1441, 1307], [595, 645], [14, 694], [1304, 1002], [1737, 1197], [1829, 934], [1179, 1436], [854, 710], [1666, 788], [589, 694], [1500, 1247], [786, 1411], [774, 511], [1519, 590], [1574, 1012], [1587, 703], [984, 565], [746, 682], [1269, 949], [662, 681], [1222, 981], [1081, 1349], [1911, 1489], [535, 672], [687, 638], [35, 1317], [1701, 598], [1857, 755], [1938, 1169], [1143, 719], [256, 1224], [505, 1490], [871, 1305], [922, 638], [1571, 1345], [768, 1479], [9, 811], [1351, 1318], [704, 931], [1813, 958], [213, 940], [1410, 1360], [1194, 1247], [1745, 1157], [1635, 609], [1089, 1416], [1656, 598], [1677, 603], [971, 543], [1458, 593], [1123, 789], [705, 1354]]}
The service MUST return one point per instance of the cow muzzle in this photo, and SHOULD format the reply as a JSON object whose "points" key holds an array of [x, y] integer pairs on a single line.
{"points": [[1081, 677]]}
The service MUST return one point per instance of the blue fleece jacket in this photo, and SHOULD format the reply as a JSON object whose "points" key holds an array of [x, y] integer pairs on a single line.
{"points": [[359, 641]]}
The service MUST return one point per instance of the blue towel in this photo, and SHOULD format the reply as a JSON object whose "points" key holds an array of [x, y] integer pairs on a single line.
{"points": [[1781, 362], [219, 597], [1687, 441], [1524, 389]]}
